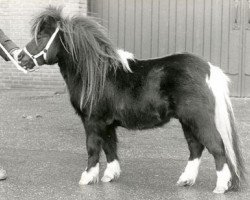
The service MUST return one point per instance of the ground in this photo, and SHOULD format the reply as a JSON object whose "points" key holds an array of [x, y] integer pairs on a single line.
{"points": [[42, 147]]}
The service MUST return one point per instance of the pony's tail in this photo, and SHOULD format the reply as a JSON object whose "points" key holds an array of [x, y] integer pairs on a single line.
{"points": [[224, 120]]}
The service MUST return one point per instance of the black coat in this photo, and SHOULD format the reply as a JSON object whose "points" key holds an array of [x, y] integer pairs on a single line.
{"points": [[8, 44]]}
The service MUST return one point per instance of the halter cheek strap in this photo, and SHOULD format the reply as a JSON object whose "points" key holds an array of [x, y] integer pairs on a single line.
{"points": [[44, 51]]}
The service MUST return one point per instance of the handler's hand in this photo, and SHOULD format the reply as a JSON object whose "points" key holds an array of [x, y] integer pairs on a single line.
{"points": [[15, 54]]}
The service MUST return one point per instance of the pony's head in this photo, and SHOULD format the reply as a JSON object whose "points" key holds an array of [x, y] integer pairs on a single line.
{"points": [[45, 45], [79, 44]]}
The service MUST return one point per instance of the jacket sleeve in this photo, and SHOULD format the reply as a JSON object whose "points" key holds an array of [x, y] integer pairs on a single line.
{"points": [[8, 44]]}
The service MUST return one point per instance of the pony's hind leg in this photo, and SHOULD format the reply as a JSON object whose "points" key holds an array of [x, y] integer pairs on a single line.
{"points": [[188, 177], [215, 146], [208, 135], [93, 143], [109, 146], [213, 142]]}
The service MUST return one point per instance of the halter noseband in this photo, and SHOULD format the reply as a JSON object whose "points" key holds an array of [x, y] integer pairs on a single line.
{"points": [[44, 51]]}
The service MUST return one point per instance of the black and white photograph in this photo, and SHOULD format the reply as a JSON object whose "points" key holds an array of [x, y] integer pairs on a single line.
{"points": [[124, 99]]}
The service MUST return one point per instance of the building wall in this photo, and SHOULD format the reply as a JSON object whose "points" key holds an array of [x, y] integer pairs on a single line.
{"points": [[15, 21], [218, 30]]}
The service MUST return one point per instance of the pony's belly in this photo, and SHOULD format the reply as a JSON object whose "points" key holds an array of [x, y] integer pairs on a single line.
{"points": [[142, 120]]}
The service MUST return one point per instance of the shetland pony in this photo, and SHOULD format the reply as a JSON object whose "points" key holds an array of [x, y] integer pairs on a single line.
{"points": [[110, 88]]}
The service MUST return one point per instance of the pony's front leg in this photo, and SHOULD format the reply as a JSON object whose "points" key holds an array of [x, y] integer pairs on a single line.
{"points": [[93, 144], [109, 146]]}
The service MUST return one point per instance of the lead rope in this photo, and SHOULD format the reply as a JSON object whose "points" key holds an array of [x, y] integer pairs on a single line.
{"points": [[13, 60]]}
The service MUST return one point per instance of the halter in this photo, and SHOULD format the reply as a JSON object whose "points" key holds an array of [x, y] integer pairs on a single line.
{"points": [[44, 51]]}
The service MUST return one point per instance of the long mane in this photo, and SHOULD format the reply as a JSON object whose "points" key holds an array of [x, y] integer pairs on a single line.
{"points": [[90, 50]]}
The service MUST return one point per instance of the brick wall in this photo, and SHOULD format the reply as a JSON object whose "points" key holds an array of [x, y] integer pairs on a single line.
{"points": [[15, 21]]}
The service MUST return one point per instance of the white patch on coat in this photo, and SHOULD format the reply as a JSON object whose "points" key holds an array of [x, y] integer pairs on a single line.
{"points": [[112, 171], [90, 176], [188, 177], [124, 57], [223, 180]]}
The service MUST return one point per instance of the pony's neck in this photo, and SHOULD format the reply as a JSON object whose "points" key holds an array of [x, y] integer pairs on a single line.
{"points": [[66, 65]]}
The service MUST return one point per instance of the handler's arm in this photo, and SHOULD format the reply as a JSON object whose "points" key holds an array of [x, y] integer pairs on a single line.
{"points": [[8, 44]]}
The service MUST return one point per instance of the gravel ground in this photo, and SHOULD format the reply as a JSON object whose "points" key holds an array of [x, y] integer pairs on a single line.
{"points": [[42, 147]]}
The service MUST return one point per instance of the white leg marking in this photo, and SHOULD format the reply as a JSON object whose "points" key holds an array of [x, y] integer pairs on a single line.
{"points": [[112, 171], [223, 180], [190, 174], [90, 176]]}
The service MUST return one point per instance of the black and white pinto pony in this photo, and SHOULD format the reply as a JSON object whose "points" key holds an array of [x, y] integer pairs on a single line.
{"points": [[110, 88]]}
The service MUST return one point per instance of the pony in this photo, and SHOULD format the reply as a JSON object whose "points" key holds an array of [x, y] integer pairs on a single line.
{"points": [[110, 88]]}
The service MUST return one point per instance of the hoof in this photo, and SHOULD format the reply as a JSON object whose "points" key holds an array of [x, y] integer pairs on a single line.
{"points": [[86, 179], [110, 177], [90, 176], [220, 190], [106, 179], [112, 172], [185, 180], [3, 174]]}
